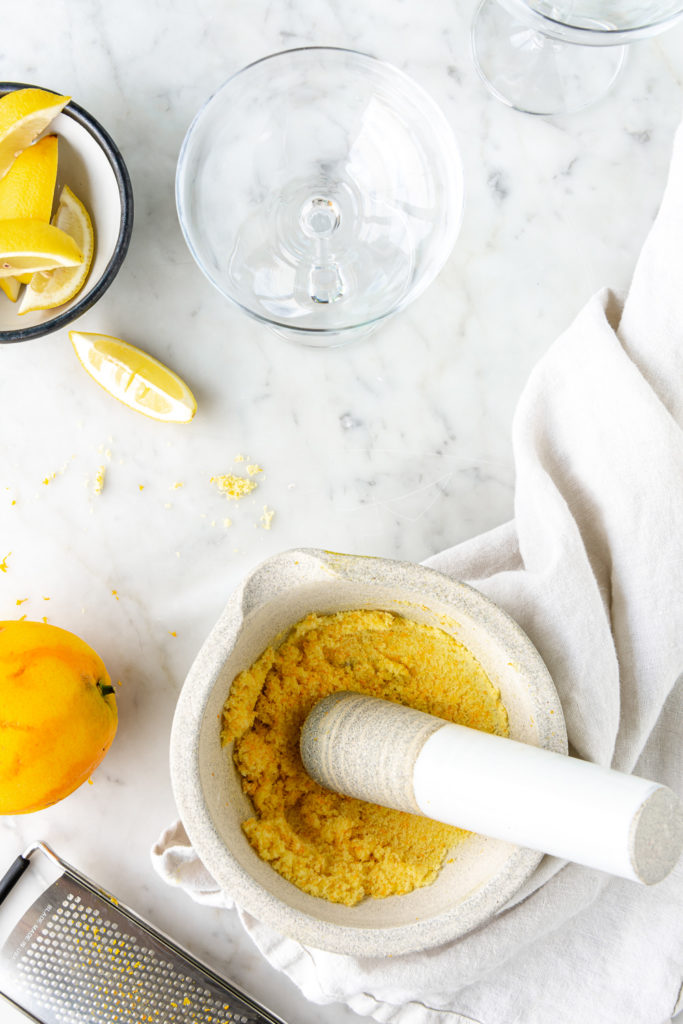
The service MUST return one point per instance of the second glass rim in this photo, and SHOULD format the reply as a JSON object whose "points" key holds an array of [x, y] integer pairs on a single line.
{"points": [[586, 36]]}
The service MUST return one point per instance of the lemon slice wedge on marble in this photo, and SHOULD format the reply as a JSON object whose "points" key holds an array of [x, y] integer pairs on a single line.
{"points": [[27, 246], [24, 114], [56, 287], [134, 377]]}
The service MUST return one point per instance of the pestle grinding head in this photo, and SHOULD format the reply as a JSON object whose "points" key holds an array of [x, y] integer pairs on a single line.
{"points": [[366, 748]]}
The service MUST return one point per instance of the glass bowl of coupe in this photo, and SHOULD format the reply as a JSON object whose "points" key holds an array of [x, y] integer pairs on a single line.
{"points": [[320, 190]]}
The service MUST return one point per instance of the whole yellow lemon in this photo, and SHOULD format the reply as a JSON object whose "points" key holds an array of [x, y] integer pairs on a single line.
{"points": [[58, 714]]}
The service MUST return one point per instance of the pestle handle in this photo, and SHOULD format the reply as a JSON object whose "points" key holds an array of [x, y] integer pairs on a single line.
{"points": [[392, 755]]}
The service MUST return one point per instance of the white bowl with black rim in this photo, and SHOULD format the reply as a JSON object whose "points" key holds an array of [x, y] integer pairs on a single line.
{"points": [[91, 164]]}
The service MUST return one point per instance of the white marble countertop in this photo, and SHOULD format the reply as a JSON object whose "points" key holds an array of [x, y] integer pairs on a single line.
{"points": [[397, 446]]}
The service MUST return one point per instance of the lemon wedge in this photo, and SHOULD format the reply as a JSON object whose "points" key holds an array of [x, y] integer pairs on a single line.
{"points": [[28, 188], [24, 114], [55, 287], [134, 377], [10, 286], [32, 245]]}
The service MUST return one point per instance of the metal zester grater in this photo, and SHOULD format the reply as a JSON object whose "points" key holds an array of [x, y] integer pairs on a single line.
{"points": [[78, 956]]}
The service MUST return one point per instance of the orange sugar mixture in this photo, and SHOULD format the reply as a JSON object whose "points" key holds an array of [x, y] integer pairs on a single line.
{"points": [[329, 845]]}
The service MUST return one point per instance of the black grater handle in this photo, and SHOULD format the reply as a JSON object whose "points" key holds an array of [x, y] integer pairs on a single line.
{"points": [[11, 877]]}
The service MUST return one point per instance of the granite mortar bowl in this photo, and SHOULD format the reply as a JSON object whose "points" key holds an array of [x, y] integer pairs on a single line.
{"points": [[482, 873], [92, 166]]}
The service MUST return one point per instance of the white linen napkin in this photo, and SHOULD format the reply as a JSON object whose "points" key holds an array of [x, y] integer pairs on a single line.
{"points": [[592, 569]]}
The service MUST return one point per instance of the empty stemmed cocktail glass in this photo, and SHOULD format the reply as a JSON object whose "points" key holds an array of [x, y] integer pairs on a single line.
{"points": [[320, 190]]}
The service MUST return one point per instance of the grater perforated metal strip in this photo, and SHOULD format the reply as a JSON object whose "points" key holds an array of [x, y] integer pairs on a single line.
{"points": [[78, 956]]}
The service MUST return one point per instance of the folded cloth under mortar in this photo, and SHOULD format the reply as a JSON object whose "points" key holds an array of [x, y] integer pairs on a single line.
{"points": [[591, 567]]}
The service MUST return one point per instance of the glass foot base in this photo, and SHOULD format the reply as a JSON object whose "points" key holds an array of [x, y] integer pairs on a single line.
{"points": [[537, 74], [324, 339]]}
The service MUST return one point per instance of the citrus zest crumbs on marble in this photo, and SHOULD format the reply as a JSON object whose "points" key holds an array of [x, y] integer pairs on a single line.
{"points": [[115, 594], [21, 600], [141, 487], [240, 458], [99, 479], [176, 485], [227, 523], [172, 632], [253, 468], [3, 563], [233, 486], [267, 517]]}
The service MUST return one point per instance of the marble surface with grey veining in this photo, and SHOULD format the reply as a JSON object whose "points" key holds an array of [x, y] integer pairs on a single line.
{"points": [[398, 446]]}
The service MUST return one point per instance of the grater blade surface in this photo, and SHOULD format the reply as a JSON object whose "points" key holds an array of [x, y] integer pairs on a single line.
{"points": [[78, 957]]}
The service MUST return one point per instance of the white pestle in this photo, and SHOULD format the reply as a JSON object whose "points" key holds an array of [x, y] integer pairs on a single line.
{"points": [[392, 755]]}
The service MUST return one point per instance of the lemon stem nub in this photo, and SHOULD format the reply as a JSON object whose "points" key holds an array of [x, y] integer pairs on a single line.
{"points": [[104, 688]]}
